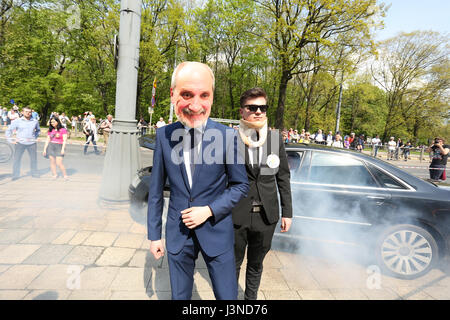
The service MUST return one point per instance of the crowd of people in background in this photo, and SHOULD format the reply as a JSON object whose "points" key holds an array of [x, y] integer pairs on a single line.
{"points": [[395, 149], [88, 126]]}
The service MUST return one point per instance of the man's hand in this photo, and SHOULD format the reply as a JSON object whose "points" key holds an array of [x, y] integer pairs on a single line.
{"points": [[157, 249], [286, 224], [195, 216]]}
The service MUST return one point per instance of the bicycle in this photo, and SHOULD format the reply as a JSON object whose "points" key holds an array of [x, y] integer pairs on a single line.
{"points": [[6, 152]]}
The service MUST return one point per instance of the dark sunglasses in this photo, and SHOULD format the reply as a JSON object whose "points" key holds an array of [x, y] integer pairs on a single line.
{"points": [[255, 107]]}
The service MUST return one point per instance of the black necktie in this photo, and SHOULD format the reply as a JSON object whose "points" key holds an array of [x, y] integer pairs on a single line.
{"points": [[256, 153], [193, 152]]}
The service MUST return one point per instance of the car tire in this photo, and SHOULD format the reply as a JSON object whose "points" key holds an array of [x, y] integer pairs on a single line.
{"points": [[406, 251]]}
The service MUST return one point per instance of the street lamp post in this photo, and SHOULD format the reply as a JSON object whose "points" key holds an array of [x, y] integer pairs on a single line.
{"points": [[122, 158], [174, 66], [338, 108]]}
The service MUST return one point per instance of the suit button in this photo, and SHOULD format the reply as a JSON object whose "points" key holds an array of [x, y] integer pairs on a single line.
{"points": [[190, 199]]}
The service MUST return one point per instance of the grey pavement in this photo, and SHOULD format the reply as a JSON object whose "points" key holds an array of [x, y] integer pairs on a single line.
{"points": [[58, 241]]}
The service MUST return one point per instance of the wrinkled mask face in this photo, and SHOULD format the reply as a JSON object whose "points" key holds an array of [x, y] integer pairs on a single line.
{"points": [[192, 96]]}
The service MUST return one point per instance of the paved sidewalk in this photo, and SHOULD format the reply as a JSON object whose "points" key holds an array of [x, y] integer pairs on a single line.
{"points": [[58, 241]]}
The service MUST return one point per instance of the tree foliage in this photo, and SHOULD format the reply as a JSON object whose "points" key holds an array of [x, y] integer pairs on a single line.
{"points": [[58, 55]]}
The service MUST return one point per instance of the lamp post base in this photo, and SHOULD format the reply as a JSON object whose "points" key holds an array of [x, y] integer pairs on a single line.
{"points": [[122, 161]]}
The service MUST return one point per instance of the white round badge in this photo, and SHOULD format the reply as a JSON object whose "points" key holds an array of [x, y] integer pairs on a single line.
{"points": [[273, 161]]}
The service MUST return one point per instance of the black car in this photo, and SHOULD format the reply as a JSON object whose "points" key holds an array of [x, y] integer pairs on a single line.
{"points": [[349, 196]]}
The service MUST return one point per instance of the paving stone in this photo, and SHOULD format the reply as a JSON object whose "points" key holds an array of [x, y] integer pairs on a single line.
{"points": [[67, 223], [65, 237], [115, 257], [4, 267], [271, 261], [129, 240], [46, 222], [13, 236], [58, 277], [131, 279], [159, 280], [142, 259], [130, 295], [80, 237], [281, 295], [83, 255], [48, 295], [98, 278], [146, 244], [17, 253], [272, 279], [348, 294], [412, 293], [43, 236], [299, 278], [439, 293], [19, 276], [322, 294], [101, 239], [117, 226], [339, 277], [15, 222], [90, 295], [93, 224], [12, 294], [381, 294], [138, 228], [49, 254]]}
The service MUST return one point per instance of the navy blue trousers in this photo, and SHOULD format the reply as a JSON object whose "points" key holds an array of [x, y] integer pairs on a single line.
{"points": [[222, 271]]}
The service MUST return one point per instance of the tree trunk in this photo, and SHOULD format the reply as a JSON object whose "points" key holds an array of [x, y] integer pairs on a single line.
{"points": [[279, 119]]}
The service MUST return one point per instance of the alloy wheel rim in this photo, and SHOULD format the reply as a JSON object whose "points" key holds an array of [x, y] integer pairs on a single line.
{"points": [[406, 252]]}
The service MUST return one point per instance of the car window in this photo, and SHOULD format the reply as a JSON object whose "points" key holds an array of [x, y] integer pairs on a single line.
{"points": [[294, 160], [328, 168], [385, 180]]}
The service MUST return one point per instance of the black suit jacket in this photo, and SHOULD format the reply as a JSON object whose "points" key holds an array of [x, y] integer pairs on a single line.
{"points": [[264, 183]]}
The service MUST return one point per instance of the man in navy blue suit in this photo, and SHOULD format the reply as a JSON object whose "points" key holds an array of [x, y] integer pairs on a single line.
{"points": [[207, 178]]}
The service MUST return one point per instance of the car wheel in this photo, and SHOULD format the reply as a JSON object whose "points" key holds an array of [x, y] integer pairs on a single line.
{"points": [[406, 251]]}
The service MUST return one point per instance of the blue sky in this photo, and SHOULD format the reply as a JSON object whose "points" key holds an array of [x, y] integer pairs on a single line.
{"points": [[412, 15]]}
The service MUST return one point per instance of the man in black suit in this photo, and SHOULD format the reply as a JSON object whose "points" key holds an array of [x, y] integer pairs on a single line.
{"points": [[255, 216]]}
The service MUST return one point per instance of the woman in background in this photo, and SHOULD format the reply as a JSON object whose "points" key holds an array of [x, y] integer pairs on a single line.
{"points": [[55, 146]]}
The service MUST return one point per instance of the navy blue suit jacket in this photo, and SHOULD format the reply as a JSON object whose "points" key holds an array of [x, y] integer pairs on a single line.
{"points": [[220, 184]]}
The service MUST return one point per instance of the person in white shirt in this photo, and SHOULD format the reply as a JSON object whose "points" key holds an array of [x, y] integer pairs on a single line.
{"points": [[337, 143], [319, 137], [330, 138], [376, 142], [90, 130], [64, 120], [392, 145], [160, 123]]}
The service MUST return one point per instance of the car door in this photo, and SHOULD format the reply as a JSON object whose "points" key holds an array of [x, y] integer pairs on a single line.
{"points": [[334, 194]]}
